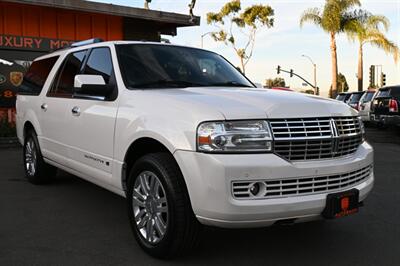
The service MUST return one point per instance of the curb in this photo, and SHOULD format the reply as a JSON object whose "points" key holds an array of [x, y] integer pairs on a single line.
{"points": [[9, 143]]}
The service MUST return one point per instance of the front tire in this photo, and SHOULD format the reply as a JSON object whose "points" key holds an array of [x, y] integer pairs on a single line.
{"points": [[37, 171], [159, 208]]}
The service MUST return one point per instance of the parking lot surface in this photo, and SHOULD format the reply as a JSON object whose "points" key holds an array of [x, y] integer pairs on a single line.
{"points": [[73, 222]]}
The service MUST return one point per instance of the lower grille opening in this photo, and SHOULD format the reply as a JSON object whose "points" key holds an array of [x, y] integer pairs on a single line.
{"points": [[286, 187]]}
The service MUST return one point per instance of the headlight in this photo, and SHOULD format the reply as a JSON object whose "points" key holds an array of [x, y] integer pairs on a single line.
{"points": [[234, 136]]}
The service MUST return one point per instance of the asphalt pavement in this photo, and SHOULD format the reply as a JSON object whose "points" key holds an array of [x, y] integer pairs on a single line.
{"points": [[73, 222]]}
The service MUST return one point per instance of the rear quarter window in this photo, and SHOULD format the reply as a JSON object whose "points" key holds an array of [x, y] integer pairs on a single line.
{"points": [[36, 76], [383, 93]]}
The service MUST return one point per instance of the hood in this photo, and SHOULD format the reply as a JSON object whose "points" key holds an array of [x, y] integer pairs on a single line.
{"points": [[254, 103]]}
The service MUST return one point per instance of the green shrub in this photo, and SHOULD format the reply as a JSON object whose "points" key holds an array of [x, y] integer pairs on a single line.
{"points": [[7, 129]]}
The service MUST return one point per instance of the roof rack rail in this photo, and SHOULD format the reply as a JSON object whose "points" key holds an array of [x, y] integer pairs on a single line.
{"points": [[86, 42], [77, 44]]}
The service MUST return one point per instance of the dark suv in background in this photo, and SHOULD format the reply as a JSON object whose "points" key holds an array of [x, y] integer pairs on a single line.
{"points": [[385, 108]]}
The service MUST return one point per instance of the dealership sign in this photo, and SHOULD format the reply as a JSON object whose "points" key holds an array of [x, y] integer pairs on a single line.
{"points": [[31, 43]]}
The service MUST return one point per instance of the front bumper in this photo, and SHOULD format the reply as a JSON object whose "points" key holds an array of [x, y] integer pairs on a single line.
{"points": [[209, 177]]}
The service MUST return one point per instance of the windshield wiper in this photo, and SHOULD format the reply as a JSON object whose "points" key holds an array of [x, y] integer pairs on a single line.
{"points": [[168, 83], [230, 84]]}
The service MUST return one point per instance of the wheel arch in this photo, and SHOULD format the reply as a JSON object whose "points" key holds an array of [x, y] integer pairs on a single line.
{"points": [[137, 149]]}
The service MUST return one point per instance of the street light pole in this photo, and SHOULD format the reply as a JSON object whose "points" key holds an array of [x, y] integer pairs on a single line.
{"points": [[315, 73], [202, 37]]}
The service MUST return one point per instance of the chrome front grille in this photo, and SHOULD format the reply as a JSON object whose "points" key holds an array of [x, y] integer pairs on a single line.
{"points": [[316, 138], [287, 187]]}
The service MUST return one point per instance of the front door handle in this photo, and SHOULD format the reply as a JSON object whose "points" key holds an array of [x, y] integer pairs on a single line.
{"points": [[44, 107], [76, 111]]}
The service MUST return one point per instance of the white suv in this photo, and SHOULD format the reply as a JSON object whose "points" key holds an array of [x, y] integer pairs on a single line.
{"points": [[189, 140]]}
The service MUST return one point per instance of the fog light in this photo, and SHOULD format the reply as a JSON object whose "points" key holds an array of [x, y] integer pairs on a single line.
{"points": [[255, 189]]}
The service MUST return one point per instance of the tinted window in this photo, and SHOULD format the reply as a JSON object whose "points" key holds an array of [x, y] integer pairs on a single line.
{"points": [[36, 76], [340, 97], [100, 63], [395, 92], [368, 97], [383, 93], [64, 82], [355, 97], [168, 66]]}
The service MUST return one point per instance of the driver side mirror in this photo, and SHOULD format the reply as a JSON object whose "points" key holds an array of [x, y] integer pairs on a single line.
{"points": [[92, 86]]}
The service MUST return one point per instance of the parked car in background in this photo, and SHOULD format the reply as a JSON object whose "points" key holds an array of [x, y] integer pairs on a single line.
{"points": [[385, 109], [364, 109], [354, 99], [343, 97]]}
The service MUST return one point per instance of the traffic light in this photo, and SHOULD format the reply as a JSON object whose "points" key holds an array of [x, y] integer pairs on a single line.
{"points": [[278, 70], [383, 79], [372, 76], [291, 73]]}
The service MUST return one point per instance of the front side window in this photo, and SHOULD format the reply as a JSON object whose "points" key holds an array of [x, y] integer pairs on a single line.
{"points": [[63, 85], [167, 66], [36, 76], [99, 63]]}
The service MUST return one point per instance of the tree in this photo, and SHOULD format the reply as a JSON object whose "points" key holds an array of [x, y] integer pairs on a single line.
{"points": [[343, 86], [247, 22], [333, 18], [276, 82], [308, 91], [367, 29]]}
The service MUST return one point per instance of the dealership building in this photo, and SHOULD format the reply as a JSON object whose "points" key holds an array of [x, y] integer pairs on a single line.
{"points": [[29, 29]]}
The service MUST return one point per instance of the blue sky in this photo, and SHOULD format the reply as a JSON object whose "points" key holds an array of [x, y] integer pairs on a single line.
{"points": [[286, 41]]}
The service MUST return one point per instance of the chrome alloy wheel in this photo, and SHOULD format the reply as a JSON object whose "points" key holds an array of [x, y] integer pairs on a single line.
{"points": [[150, 207], [30, 157]]}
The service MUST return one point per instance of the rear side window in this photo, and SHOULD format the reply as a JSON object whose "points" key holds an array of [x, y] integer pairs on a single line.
{"points": [[63, 85], [36, 76], [383, 93], [100, 63]]}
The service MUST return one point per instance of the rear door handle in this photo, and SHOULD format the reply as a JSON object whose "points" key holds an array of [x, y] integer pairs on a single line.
{"points": [[44, 107], [76, 111]]}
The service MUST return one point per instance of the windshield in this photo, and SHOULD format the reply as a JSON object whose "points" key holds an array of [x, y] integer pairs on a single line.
{"points": [[167, 66], [355, 97], [368, 96], [340, 97]]}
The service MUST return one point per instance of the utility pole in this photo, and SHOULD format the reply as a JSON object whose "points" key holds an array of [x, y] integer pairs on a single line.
{"points": [[202, 37], [315, 73]]}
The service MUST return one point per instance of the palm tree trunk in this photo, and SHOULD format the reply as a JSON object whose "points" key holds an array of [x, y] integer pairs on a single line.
{"points": [[243, 66], [334, 64], [360, 72]]}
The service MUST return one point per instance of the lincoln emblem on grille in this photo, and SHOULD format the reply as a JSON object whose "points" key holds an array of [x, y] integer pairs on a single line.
{"points": [[335, 136]]}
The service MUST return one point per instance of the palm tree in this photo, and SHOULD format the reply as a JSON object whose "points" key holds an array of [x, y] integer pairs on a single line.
{"points": [[333, 19], [367, 29]]}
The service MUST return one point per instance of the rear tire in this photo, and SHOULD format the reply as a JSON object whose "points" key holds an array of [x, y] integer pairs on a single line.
{"points": [[159, 208], [37, 171]]}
